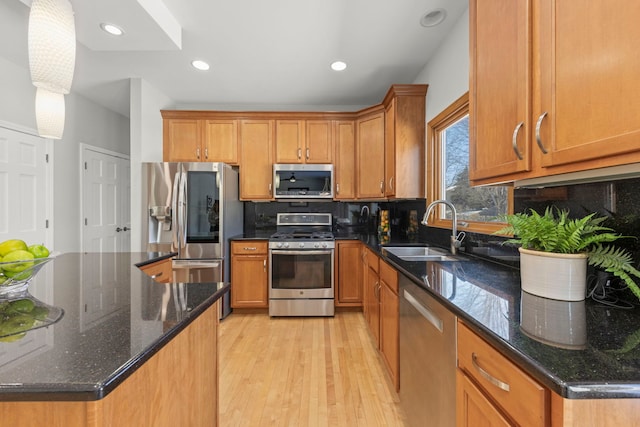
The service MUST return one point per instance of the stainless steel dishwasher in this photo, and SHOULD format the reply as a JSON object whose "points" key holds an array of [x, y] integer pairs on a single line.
{"points": [[427, 358]]}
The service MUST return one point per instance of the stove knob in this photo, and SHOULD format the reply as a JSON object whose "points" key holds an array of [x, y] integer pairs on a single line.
{"points": [[285, 244], [279, 244], [324, 245], [316, 245], [301, 245]]}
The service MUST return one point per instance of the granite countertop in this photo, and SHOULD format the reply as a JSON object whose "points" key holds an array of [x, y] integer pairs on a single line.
{"points": [[115, 318], [579, 350]]}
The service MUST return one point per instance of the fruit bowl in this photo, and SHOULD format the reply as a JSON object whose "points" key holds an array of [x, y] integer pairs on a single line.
{"points": [[15, 276], [24, 313]]}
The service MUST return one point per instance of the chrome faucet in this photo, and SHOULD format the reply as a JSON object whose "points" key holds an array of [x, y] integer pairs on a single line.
{"points": [[456, 240], [364, 208]]}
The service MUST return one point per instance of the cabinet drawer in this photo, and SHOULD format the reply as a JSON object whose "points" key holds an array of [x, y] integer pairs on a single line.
{"points": [[389, 275], [249, 247], [160, 271], [373, 260], [512, 389]]}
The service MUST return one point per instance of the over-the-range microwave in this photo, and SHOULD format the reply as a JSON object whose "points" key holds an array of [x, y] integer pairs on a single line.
{"points": [[303, 181]]}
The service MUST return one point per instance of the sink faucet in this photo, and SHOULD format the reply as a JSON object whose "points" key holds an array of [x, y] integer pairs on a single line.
{"points": [[455, 242]]}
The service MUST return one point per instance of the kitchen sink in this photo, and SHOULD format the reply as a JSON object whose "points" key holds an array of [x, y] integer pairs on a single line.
{"points": [[420, 253]]}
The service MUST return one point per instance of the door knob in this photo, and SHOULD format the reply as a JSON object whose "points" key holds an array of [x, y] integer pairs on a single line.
{"points": [[126, 229], [118, 230]]}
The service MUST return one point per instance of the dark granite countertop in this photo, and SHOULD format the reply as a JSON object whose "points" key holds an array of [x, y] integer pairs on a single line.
{"points": [[579, 350], [115, 318]]}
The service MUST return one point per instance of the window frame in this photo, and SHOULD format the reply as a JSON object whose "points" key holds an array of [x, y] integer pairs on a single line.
{"points": [[454, 112]]}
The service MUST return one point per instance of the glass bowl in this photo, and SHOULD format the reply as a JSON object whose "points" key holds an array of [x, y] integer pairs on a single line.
{"points": [[15, 276], [24, 313]]}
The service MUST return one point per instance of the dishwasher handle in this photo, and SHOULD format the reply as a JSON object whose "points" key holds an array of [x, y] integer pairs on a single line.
{"points": [[424, 311]]}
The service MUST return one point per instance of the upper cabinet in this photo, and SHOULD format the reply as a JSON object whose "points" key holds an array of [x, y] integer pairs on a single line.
{"points": [[552, 88], [344, 168], [404, 141], [256, 152], [370, 154], [304, 141], [188, 136]]}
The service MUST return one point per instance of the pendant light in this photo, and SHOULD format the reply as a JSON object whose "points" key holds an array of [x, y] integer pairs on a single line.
{"points": [[52, 57], [50, 113]]}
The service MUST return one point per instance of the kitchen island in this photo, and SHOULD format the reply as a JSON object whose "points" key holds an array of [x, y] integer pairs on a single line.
{"points": [[128, 350]]}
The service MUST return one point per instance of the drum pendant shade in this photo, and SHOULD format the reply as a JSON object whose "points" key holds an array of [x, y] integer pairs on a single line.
{"points": [[50, 113], [52, 45]]}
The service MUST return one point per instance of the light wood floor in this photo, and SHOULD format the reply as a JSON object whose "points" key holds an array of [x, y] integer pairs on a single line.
{"points": [[302, 372]]}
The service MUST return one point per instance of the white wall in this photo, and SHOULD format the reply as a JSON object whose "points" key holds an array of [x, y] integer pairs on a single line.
{"points": [[447, 72], [146, 146], [86, 122]]}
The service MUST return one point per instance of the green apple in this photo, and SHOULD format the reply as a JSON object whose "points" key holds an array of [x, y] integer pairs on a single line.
{"points": [[38, 251], [13, 257]]}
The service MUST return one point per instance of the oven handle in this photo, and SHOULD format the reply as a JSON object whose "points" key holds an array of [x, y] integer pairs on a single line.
{"points": [[303, 251]]}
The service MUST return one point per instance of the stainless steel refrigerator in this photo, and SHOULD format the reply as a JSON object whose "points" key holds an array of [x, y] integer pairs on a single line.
{"points": [[193, 209]]}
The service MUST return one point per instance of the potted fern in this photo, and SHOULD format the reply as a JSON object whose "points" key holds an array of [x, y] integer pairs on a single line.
{"points": [[555, 251]]}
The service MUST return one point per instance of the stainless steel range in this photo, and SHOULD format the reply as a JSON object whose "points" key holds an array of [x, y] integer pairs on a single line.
{"points": [[301, 254]]}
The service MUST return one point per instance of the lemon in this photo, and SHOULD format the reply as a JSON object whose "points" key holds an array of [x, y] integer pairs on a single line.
{"points": [[12, 245]]}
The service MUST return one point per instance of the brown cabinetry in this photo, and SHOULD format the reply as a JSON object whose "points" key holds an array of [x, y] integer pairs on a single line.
{"points": [[249, 274], [404, 141], [189, 137], [256, 153], [160, 271], [304, 141], [348, 278], [370, 152], [389, 321], [546, 95], [371, 282], [491, 387], [344, 169]]}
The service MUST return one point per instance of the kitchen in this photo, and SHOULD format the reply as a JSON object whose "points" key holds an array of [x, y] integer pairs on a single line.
{"points": [[443, 88]]}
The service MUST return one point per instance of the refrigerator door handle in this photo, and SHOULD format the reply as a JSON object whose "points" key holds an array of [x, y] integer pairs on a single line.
{"points": [[182, 216], [175, 214]]}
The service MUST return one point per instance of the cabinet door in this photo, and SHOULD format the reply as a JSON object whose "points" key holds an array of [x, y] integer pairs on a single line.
{"points": [[370, 160], [390, 148], [589, 81], [249, 281], [389, 331], [500, 88], [344, 169], [160, 271], [182, 140], [319, 141], [221, 141], [349, 281], [373, 304], [473, 408], [256, 147], [290, 141]]}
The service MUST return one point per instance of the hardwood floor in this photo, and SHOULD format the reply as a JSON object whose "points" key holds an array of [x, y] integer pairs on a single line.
{"points": [[307, 371]]}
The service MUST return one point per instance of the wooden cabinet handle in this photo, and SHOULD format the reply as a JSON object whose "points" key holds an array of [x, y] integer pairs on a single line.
{"points": [[299, 153], [197, 153], [247, 248], [538, 139], [514, 141], [307, 154], [382, 186], [264, 265], [493, 380], [337, 188], [206, 153], [157, 275]]}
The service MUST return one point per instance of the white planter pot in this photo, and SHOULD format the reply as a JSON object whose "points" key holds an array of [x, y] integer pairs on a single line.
{"points": [[556, 276]]}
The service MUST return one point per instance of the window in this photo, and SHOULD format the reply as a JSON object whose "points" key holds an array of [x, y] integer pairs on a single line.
{"points": [[478, 208]]}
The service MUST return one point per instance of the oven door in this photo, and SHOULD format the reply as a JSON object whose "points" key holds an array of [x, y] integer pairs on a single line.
{"points": [[300, 274]]}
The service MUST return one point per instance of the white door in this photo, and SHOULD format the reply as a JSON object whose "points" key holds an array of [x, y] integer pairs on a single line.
{"points": [[23, 187], [105, 201]]}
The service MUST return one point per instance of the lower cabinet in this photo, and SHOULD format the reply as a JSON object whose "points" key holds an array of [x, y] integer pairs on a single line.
{"points": [[160, 271], [381, 310], [492, 388], [249, 274], [389, 321], [348, 292]]}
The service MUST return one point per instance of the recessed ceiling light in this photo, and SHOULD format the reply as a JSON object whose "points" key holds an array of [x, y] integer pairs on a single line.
{"points": [[338, 66], [112, 29], [200, 65], [433, 17]]}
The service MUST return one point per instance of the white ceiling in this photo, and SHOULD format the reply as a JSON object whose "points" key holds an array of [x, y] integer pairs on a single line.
{"points": [[263, 53]]}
